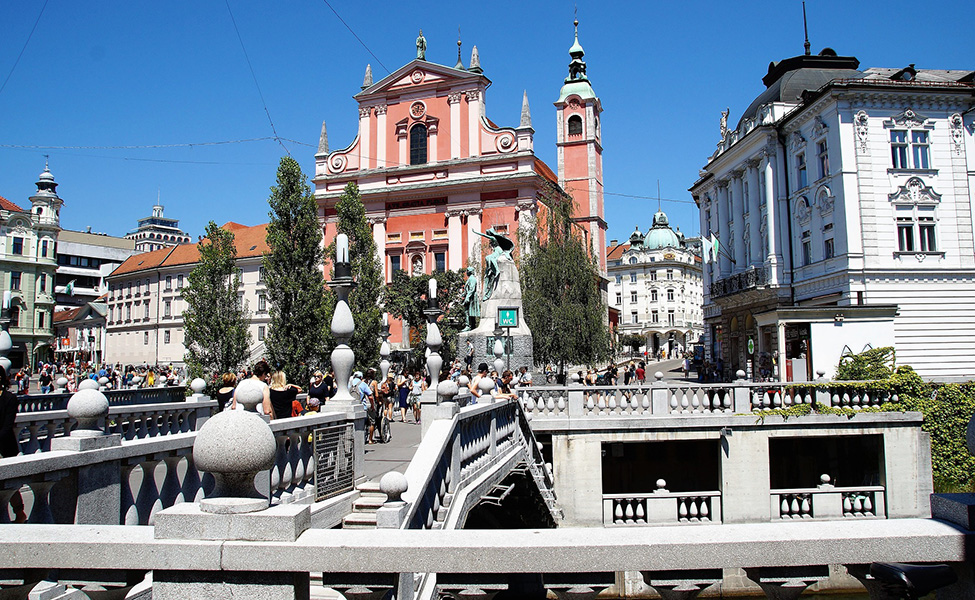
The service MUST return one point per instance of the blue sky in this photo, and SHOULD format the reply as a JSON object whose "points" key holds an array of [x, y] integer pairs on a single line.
{"points": [[121, 73]]}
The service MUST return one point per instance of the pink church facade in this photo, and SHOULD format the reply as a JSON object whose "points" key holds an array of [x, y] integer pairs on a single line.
{"points": [[432, 169]]}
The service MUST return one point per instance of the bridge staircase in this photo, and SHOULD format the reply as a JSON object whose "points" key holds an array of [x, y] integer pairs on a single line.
{"points": [[363, 515]]}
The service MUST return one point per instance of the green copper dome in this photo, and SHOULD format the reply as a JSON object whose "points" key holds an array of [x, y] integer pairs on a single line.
{"points": [[661, 235]]}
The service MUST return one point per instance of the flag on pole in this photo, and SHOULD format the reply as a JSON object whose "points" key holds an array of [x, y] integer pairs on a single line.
{"points": [[707, 248], [716, 244], [69, 289]]}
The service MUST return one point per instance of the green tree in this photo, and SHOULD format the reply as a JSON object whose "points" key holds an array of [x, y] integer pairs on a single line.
{"points": [[632, 341], [406, 298], [367, 297], [296, 337], [560, 286], [214, 320], [877, 363]]}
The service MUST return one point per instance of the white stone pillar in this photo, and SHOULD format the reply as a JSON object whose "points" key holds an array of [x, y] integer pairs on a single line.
{"points": [[432, 142], [473, 122], [473, 224], [780, 348], [379, 237], [724, 261], [526, 222], [453, 100], [455, 241], [754, 215], [381, 161], [770, 205], [364, 136], [738, 206]]}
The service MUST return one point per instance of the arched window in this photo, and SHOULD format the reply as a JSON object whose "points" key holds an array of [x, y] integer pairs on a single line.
{"points": [[575, 125], [418, 144]]}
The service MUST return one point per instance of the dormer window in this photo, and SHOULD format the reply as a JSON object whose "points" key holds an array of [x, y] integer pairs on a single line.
{"points": [[418, 144], [575, 125]]}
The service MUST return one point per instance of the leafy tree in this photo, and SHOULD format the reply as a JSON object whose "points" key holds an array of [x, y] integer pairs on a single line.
{"points": [[214, 320], [296, 334], [632, 341], [560, 286], [877, 363], [406, 299], [366, 298]]}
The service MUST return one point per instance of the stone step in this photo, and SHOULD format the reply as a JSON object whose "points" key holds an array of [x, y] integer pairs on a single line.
{"points": [[359, 521], [369, 487], [368, 504]]}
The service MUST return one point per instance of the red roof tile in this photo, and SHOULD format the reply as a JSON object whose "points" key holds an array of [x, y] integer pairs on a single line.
{"points": [[8, 205], [67, 315], [249, 241]]}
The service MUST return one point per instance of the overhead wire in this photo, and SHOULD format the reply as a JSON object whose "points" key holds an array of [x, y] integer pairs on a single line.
{"points": [[277, 138], [356, 36], [29, 36]]}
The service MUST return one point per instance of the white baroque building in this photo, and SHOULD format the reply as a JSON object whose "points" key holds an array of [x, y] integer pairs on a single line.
{"points": [[843, 209], [655, 287]]}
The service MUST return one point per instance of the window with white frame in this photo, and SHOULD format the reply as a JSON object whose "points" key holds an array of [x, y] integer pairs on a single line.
{"points": [[169, 282], [801, 179], [634, 318], [260, 333], [671, 318], [633, 260], [146, 314], [655, 316], [822, 153], [670, 294], [916, 228], [261, 302], [619, 298], [633, 296], [632, 277], [653, 275], [179, 282], [828, 249], [167, 335], [806, 241], [910, 149], [168, 308], [670, 273], [619, 279], [653, 295], [145, 338]]}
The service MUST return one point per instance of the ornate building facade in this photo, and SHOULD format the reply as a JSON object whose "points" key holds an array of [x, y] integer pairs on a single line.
{"points": [[842, 206], [433, 170], [655, 285], [27, 269]]}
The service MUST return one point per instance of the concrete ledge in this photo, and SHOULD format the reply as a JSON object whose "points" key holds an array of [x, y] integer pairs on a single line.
{"points": [[793, 544], [954, 508], [280, 523], [78, 443]]}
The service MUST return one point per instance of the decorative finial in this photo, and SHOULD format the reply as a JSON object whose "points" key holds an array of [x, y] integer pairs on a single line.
{"points": [[805, 28], [475, 61], [367, 79], [460, 63], [421, 47], [526, 115], [323, 141], [47, 159]]}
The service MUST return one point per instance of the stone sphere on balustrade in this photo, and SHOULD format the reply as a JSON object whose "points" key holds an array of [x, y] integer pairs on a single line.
{"points": [[62, 382], [198, 385], [394, 485], [88, 384], [103, 381], [87, 406], [234, 446], [447, 390], [486, 385], [250, 393]]}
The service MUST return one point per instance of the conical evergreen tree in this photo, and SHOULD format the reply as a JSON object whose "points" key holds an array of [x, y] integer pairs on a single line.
{"points": [[296, 337], [367, 297], [214, 321]]}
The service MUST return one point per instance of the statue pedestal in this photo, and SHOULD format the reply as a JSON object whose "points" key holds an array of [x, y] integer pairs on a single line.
{"points": [[507, 295]]}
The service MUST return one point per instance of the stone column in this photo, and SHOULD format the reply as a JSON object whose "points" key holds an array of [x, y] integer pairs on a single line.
{"points": [[379, 237], [473, 224], [432, 142], [381, 160], [722, 231], [526, 221], [780, 348], [754, 215], [774, 256], [738, 206], [453, 100], [473, 122], [745, 489], [455, 241], [364, 136]]}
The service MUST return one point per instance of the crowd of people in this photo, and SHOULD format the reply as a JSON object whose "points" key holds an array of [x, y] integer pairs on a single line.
{"points": [[43, 378]]}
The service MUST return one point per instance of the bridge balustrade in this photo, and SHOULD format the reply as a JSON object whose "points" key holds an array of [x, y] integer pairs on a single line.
{"points": [[129, 484], [123, 397]]}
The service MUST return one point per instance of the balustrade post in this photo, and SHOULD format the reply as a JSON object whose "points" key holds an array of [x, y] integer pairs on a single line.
{"points": [[493, 434], [659, 396], [822, 395], [742, 394], [681, 585], [786, 583], [577, 398]]}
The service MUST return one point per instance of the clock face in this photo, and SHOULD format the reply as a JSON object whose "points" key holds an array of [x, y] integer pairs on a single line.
{"points": [[417, 110]]}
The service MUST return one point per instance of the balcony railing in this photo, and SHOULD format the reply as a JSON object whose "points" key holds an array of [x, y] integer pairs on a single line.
{"points": [[749, 279]]}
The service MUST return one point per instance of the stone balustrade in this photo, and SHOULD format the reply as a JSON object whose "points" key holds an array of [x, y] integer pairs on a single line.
{"points": [[661, 508], [135, 421], [123, 397], [670, 398], [129, 484], [784, 557], [457, 452], [827, 501]]}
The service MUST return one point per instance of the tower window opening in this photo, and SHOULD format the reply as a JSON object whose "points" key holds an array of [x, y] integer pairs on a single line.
{"points": [[418, 144], [575, 125]]}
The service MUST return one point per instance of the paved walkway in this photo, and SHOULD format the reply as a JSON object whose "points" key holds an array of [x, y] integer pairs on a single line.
{"points": [[397, 454]]}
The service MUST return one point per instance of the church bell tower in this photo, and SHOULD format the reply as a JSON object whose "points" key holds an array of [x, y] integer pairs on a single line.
{"points": [[580, 150]]}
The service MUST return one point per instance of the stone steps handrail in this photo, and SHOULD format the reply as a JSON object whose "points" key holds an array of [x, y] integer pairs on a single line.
{"points": [[662, 507], [131, 421], [829, 502], [59, 401], [130, 483]]}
